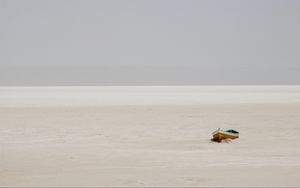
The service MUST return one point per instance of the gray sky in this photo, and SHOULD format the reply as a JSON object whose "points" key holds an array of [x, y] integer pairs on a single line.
{"points": [[149, 42]]}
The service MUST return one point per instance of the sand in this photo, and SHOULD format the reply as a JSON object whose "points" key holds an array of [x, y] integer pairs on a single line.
{"points": [[149, 136]]}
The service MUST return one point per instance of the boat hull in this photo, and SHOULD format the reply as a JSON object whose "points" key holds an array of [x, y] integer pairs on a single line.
{"points": [[221, 135]]}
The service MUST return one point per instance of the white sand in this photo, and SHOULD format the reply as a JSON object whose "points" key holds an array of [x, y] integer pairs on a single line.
{"points": [[149, 136]]}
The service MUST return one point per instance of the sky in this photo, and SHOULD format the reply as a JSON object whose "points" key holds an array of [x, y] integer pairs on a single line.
{"points": [[149, 42]]}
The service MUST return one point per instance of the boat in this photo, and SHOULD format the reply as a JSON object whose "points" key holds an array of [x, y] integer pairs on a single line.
{"points": [[220, 135]]}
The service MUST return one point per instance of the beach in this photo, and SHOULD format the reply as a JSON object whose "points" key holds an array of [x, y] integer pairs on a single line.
{"points": [[149, 136]]}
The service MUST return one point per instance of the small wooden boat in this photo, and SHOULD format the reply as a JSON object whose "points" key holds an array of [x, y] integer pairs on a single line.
{"points": [[220, 135]]}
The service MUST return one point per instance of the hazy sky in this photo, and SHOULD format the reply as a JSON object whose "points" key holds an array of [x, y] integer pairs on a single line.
{"points": [[149, 42]]}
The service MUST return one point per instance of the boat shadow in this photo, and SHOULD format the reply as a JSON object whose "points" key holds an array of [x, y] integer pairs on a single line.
{"points": [[227, 140]]}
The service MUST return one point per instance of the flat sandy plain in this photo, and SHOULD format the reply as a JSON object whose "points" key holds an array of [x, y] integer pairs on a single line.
{"points": [[149, 136]]}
